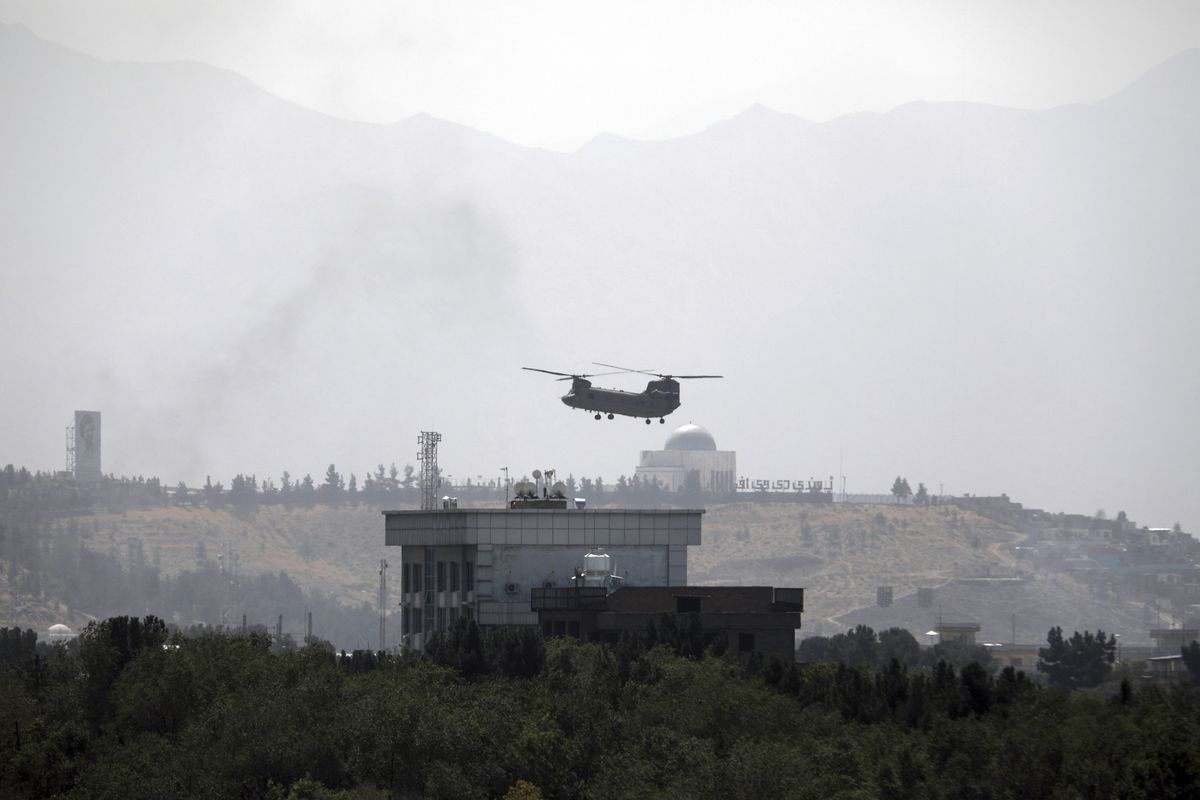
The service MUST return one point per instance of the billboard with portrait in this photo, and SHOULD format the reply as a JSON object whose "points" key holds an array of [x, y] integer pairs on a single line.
{"points": [[87, 446]]}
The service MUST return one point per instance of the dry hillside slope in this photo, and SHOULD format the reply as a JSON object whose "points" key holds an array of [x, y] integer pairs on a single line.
{"points": [[840, 553]]}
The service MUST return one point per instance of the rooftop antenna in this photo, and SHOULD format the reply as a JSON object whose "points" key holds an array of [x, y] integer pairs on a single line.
{"points": [[428, 440], [505, 471]]}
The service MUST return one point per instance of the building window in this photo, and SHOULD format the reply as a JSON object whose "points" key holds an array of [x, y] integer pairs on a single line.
{"points": [[453, 617], [416, 620], [468, 577], [441, 620], [454, 576], [441, 576], [406, 578], [687, 605], [745, 642], [415, 586], [403, 621]]}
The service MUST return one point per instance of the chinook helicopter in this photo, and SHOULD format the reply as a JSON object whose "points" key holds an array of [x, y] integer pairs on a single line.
{"points": [[659, 399]]}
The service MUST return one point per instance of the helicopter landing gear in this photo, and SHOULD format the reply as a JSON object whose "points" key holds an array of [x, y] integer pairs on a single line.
{"points": [[647, 420], [662, 421], [597, 416], [610, 416]]}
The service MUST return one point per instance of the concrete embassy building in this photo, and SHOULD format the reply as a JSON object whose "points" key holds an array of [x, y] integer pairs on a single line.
{"points": [[690, 451], [482, 563]]}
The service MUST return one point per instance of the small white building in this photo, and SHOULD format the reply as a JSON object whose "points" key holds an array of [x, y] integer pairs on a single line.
{"points": [[690, 449]]}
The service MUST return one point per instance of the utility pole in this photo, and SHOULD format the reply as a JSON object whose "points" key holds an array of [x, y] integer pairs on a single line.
{"points": [[383, 604]]}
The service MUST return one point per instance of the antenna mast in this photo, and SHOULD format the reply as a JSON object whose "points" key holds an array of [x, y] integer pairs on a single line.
{"points": [[428, 440]]}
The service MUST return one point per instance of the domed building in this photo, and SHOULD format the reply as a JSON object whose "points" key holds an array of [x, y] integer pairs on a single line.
{"points": [[690, 449], [60, 633]]}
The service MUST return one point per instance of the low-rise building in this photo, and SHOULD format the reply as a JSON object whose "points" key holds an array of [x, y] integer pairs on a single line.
{"points": [[1169, 641], [1167, 670], [1018, 656], [957, 631], [753, 619]]}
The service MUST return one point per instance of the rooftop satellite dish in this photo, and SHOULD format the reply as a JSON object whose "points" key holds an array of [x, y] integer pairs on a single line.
{"points": [[537, 474]]}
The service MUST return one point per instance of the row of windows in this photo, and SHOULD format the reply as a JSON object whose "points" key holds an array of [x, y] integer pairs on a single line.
{"points": [[411, 619], [443, 577]]}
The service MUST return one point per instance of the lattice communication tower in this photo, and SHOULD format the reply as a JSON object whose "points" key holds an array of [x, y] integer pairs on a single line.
{"points": [[428, 440]]}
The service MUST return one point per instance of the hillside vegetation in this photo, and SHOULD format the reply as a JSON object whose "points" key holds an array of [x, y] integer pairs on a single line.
{"points": [[838, 553]]}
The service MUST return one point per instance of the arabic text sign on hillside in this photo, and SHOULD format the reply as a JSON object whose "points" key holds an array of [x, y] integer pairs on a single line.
{"points": [[763, 485]]}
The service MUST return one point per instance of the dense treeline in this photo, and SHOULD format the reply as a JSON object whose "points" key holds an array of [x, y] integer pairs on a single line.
{"points": [[22, 491], [862, 647], [65, 561], [136, 712]]}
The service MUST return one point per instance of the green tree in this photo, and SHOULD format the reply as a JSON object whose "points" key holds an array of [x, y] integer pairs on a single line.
{"points": [[1079, 662], [1191, 660], [900, 488], [900, 644], [105, 648], [331, 489], [307, 490]]}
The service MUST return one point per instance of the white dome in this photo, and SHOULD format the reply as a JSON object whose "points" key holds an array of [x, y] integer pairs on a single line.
{"points": [[690, 437]]}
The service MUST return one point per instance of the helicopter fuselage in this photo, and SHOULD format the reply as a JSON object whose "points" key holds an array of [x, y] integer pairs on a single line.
{"points": [[660, 398]]}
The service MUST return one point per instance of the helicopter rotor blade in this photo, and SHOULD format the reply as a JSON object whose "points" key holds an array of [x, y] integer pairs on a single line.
{"points": [[624, 369], [571, 375], [552, 372], [693, 376]]}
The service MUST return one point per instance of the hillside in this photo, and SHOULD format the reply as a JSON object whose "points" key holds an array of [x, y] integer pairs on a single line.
{"points": [[841, 553]]}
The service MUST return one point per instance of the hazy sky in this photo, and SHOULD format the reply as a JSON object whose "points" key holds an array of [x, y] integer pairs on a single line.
{"points": [[256, 255], [555, 74]]}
